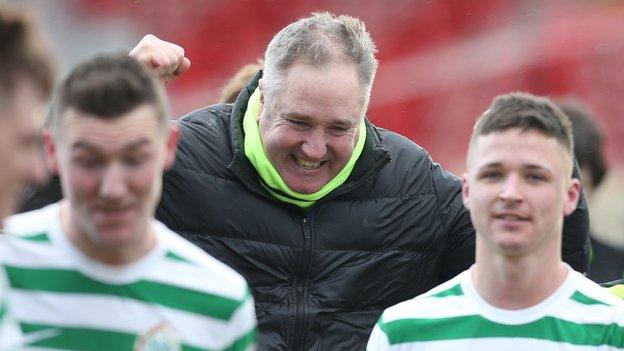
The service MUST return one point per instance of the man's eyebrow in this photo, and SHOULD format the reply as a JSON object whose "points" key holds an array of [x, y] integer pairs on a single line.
{"points": [[342, 122], [534, 167], [530, 167], [81, 144], [490, 165], [137, 144]]}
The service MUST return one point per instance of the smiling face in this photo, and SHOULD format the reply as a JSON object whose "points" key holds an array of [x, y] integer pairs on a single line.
{"points": [[518, 189], [310, 129], [111, 171]]}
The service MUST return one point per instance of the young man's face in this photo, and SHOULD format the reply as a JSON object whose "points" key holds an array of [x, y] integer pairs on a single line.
{"points": [[310, 130], [111, 173], [21, 160], [518, 189]]}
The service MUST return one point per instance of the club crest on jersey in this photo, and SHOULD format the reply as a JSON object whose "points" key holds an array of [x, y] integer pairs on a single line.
{"points": [[158, 338]]}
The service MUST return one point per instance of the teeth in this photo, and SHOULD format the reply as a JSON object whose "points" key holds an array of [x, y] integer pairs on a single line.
{"points": [[308, 164]]}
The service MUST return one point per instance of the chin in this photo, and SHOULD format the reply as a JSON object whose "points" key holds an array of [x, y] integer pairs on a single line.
{"points": [[114, 237], [305, 190], [302, 187]]}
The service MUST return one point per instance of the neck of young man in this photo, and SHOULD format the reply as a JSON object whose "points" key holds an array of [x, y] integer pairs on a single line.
{"points": [[518, 281], [118, 255]]}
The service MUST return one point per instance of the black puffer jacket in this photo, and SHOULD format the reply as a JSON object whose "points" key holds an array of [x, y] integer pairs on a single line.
{"points": [[322, 276]]}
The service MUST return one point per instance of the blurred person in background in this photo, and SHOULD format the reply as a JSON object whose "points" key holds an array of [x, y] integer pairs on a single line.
{"points": [[330, 218], [607, 261], [519, 294], [26, 81], [96, 268], [239, 81]]}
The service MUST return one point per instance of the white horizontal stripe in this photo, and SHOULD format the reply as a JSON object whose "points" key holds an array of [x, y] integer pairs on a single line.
{"points": [[459, 306], [32, 222], [495, 344], [30, 254], [211, 279], [431, 307], [595, 291], [579, 313], [119, 314]]}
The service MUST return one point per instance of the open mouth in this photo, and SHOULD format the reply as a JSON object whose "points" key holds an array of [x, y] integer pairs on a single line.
{"points": [[308, 164]]}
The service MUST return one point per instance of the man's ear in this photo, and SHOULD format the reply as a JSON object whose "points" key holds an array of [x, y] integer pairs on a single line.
{"points": [[573, 194], [261, 88], [465, 189], [50, 150], [173, 136]]}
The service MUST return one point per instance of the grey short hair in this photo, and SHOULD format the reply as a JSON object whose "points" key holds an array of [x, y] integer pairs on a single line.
{"points": [[317, 40]]}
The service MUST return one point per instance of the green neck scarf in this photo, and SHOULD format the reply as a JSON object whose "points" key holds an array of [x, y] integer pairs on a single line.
{"points": [[272, 181]]}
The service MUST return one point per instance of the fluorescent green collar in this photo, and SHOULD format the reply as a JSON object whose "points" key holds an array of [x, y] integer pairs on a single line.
{"points": [[273, 182]]}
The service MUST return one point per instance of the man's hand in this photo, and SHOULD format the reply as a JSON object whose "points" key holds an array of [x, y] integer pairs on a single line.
{"points": [[165, 59]]}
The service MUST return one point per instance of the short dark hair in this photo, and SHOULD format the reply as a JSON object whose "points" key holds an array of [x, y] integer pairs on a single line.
{"points": [[24, 54], [526, 112], [108, 86], [588, 139]]}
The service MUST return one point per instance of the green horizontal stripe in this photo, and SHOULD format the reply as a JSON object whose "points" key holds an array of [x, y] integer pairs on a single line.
{"points": [[475, 327], [69, 281], [174, 256], [244, 342], [454, 291], [39, 237], [70, 338], [586, 300]]}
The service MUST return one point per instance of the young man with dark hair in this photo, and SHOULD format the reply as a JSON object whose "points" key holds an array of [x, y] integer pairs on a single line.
{"points": [[519, 293], [26, 79], [96, 268]]}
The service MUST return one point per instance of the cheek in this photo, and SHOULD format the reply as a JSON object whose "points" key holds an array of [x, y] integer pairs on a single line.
{"points": [[144, 180], [280, 140], [79, 182], [342, 147]]}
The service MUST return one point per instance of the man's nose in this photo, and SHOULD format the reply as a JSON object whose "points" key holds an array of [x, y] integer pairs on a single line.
{"points": [[113, 183], [314, 147], [512, 190]]}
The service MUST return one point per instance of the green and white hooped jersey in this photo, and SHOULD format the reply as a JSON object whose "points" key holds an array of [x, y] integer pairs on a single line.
{"points": [[580, 315], [176, 298]]}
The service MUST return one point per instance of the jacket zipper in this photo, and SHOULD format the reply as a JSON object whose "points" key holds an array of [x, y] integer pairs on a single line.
{"points": [[299, 329]]}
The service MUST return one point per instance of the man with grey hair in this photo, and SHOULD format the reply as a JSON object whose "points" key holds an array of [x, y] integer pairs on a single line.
{"points": [[329, 218]]}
